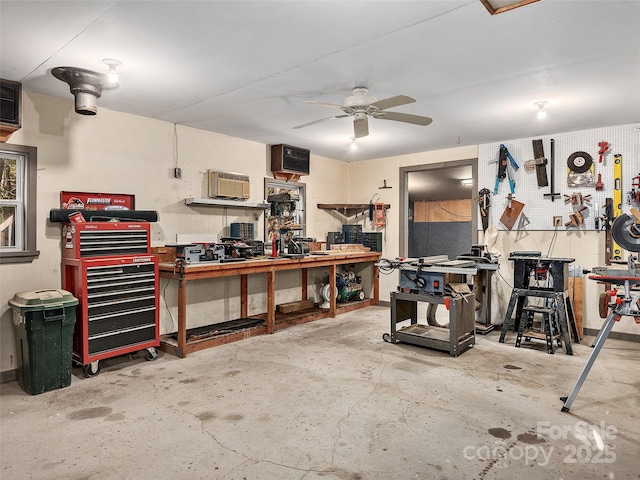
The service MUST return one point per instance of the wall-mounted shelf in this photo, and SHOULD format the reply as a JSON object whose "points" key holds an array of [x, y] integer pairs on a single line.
{"points": [[348, 209], [217, 202]]}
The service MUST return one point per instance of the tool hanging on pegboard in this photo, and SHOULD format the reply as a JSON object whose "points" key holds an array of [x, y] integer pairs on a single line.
{"points": [[580, 170], [504, 159], [633, 195], [484, 201], [539, 163], [604, 148], [512, 212], [616, 250], [580, 209], [552, 166]]}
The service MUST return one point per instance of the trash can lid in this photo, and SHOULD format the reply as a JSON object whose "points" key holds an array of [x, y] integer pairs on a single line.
{"points": [[38, 299]]}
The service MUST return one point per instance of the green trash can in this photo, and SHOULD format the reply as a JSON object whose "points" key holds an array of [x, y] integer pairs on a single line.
{"points": [[43, 321]]}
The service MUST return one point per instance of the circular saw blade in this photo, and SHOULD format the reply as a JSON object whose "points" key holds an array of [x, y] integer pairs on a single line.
{"points": [[624, 230], [579, 162]]}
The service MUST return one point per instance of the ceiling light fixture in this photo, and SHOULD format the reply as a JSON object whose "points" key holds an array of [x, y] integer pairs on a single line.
{"points": [[85, 85], [541, 111], [467, 182], [354, 145], [113, 73]]}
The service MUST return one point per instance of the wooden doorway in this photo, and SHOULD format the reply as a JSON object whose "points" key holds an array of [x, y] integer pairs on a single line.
{"points": [[437, 208]]}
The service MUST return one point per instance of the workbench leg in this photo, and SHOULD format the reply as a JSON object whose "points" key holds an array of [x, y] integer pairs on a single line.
{"points": [[182, 318], [376, 284], [271, 301], [332, 290], [303, 282], [244, 293]]}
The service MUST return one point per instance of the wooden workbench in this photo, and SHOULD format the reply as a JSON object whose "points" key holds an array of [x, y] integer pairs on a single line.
{"points": [[188, 273]]}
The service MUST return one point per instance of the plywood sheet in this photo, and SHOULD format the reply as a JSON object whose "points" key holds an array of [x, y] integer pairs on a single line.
{"points": [[442, 211]]}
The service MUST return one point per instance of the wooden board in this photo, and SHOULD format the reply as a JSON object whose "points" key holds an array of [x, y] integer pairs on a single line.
{"points": [[294, 306], [442, 211], [576, 293], [165, 254], [510, 215], [350, 247]]}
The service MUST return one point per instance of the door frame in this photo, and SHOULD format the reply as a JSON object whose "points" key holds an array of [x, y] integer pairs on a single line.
{"points": [[404, 197]]}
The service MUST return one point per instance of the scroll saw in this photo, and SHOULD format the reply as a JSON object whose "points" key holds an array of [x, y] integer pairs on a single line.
{"points": [[624, 297]]}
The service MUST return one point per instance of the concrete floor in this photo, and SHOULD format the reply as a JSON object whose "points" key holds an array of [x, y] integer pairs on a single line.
{"points": [[330, 400]]}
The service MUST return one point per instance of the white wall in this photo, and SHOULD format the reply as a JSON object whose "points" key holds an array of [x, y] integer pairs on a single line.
{"points": [[366, 178], [586, 247], [120, 153]]}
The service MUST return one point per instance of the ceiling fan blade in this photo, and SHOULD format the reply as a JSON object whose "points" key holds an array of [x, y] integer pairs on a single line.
{"points": [[405, 117], [360, 127], [393, 102], [320, 120], [324, 104]]}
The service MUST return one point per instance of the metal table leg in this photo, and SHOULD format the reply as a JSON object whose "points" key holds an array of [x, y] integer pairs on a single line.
{"points": [[602, 336]]}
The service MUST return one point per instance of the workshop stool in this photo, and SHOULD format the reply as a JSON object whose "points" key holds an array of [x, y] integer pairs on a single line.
{"points": [[548, 329]]}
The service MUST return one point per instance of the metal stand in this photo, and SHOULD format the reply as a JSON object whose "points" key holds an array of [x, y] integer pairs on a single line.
{"points": [[526, 265], [629, 306], [602, 336], [456, 339]]}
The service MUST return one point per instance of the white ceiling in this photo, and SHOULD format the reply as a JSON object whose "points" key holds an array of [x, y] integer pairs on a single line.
{"points": [[245, 68]]}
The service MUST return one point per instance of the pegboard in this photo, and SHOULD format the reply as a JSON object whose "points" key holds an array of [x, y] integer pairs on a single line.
{"points": [[538, 211]]}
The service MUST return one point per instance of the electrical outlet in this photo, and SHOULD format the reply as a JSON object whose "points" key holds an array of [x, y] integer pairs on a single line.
{"points": [[177, 172], [557, 221]]}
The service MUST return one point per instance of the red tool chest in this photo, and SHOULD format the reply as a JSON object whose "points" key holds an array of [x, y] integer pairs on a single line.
{"points": [[108, 267]]}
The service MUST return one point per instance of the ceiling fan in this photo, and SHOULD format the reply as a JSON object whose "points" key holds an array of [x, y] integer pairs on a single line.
{"points": [[360, 105]]}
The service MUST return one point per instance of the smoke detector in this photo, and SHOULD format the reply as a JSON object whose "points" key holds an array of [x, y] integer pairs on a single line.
{"points": [[85, 85]]}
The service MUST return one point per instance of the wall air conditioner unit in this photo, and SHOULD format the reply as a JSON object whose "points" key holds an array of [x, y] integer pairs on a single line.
{"points": [[228, 185], [288, 159]]}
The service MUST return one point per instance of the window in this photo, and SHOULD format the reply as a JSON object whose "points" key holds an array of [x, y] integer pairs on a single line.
{"points": [[18, 177]]}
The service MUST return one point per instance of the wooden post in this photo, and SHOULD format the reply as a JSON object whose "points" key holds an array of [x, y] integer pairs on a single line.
{"points": [[244, 289], [271, 301]]}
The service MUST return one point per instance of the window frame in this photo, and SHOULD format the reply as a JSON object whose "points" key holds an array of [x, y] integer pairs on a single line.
{"points": [[28, 251]]}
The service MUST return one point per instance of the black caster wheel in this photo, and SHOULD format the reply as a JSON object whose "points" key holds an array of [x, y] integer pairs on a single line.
{"points": [[91, 369], [151, 354], [386, 337]]}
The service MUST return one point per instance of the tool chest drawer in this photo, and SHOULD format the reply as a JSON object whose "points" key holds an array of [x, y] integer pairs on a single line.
{"points": [[118, 305], [105, 239]]}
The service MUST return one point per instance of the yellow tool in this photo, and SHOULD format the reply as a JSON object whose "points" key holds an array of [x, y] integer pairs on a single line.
{"points": [[616, 251]]}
